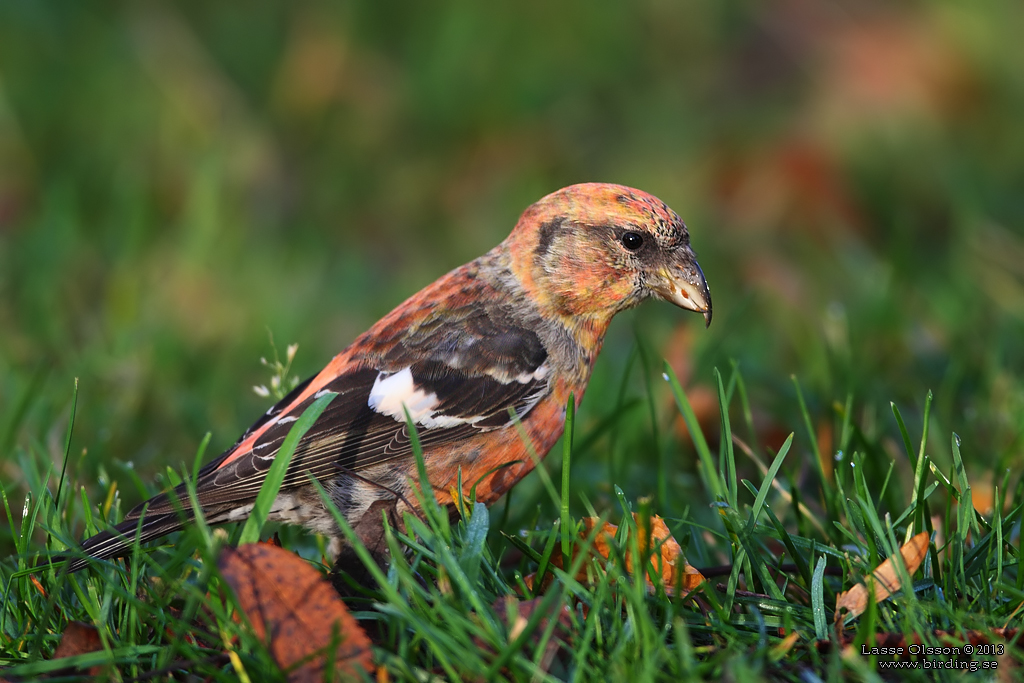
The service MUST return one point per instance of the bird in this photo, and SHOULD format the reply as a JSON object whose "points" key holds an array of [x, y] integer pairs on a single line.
{"points": [[481, 361]]}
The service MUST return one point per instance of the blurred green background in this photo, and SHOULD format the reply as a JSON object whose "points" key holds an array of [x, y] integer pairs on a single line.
{"points": [[178, 179]]}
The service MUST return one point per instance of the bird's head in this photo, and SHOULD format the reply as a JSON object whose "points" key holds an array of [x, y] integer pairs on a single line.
{"points": [[595, 249]]}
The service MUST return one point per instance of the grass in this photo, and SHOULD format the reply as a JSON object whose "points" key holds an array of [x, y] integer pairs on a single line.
{"points": [[176, 179], [772, 572]]}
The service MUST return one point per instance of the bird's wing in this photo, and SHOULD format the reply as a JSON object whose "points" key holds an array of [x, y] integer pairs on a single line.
{"points": [[457, 375]]}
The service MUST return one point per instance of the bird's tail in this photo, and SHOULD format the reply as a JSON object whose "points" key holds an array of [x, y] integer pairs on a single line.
{"points": [[120, 539]]}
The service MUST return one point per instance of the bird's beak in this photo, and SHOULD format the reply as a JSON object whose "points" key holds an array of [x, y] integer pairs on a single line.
{"points": [[684, 285]]}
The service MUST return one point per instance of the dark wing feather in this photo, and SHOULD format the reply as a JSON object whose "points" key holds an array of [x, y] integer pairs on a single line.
{"points": [[474, 370], [351, 434], [120, 539], [274, 411]]}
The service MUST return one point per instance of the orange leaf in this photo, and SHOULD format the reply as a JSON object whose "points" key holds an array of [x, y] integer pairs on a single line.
{"points": [[885, 579], [294, 608], [78, 639], [39, 586], [666, 556]]}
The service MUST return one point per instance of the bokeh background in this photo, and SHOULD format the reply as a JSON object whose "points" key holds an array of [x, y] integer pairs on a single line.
{"points": [[178, 179]]}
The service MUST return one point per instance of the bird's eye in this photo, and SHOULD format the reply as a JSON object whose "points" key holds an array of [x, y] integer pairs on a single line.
{"points": [[632, 240]]}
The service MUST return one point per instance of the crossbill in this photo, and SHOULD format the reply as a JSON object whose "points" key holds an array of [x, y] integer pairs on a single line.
{"points": [[505, 338]]}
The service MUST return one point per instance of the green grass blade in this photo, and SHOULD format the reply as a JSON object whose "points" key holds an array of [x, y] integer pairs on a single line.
{"points": [[728, 473], [710, 472], [965, 507], [827, 489], [787, 540], [652, 411], [766, 484], [919, 465], [476, 542], [748, 414], [846, 430], [272, 484], [67, 444], [567, 528], [904, 434]]}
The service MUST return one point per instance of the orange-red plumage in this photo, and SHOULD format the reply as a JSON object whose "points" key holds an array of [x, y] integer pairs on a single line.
{"points": [[517, 329]]}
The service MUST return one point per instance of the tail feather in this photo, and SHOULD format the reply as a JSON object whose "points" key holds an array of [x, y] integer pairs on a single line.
{"points": [[120, 540]]}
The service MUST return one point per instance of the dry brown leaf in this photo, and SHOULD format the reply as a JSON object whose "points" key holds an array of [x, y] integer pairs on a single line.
{"points": [[78, 639], [293, 607], [983, 495], [349, 575], [885, 578], [784, 646], [39, 586], [668, 561], [523, 610]]}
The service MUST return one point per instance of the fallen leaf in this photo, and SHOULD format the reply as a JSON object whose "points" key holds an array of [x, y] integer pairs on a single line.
{"points": [[78, 639], [666, 556], [884, 579], [783, 647], [39, 586], [519, 612], [296, 611], [349, 575], [667, 560]]}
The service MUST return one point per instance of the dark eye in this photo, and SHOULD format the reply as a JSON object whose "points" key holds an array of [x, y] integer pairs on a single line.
{"points": [[632, 240]]}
